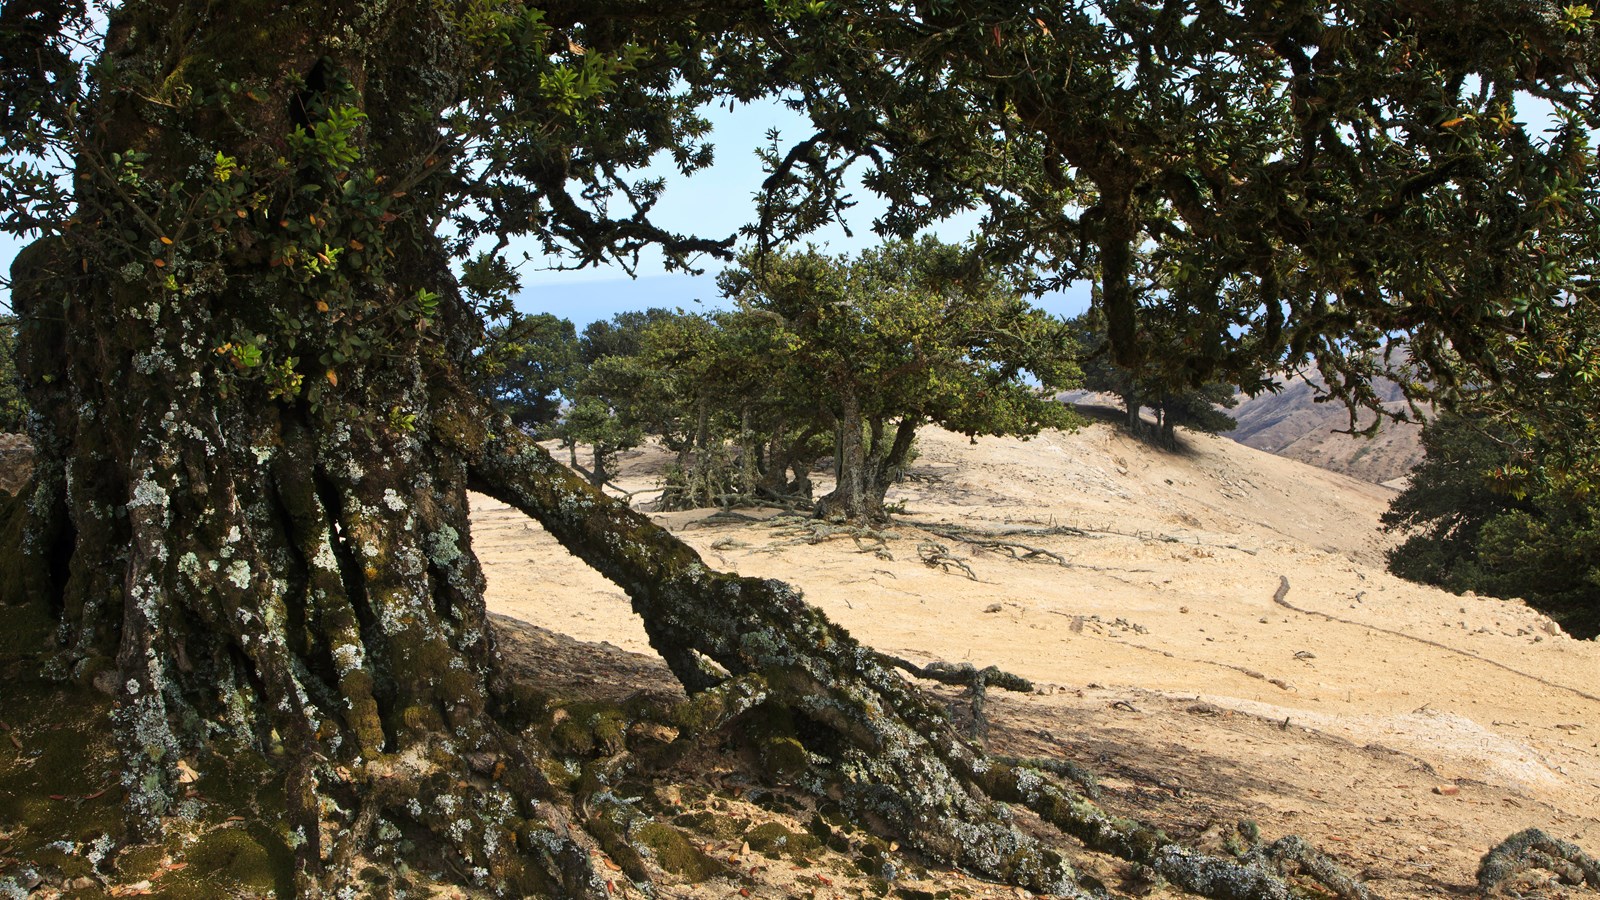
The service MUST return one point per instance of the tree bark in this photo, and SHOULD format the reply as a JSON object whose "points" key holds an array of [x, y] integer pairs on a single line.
{"points": [[282, 570], [852, 493], [893, 463]]}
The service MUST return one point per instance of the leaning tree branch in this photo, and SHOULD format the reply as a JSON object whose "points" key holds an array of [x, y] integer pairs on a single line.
{"points": [[888, 751]]}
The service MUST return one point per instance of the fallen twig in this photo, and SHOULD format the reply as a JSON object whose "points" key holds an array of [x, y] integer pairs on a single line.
{"points": [[934, 555], [974, 679], [1015, 549]]}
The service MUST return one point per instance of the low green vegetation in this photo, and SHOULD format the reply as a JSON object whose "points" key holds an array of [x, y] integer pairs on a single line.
{"points": [[1174, 401], [1481, 515]]}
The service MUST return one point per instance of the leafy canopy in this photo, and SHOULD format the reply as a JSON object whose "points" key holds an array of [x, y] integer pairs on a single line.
{"points": [[1317, 181], [912, 330]]}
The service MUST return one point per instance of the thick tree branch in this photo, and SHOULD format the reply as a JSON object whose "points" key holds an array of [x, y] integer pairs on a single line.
{"points": [[894, 755]]}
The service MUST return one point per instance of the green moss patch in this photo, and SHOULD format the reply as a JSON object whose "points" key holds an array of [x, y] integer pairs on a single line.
{"points": [[234, 862], [676, 854], [585, 729], [712, 824], [61, 803], [774, 840], [59, 792]]}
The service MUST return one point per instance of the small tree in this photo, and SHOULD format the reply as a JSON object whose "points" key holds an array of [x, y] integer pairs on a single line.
{"points": [[592, 421], [1197, 409], [909, 334], [1173, 401], [528, 365], [611, 397]]}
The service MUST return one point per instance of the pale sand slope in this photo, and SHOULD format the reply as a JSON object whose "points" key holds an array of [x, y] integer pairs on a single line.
{"points": [[1162, 658]]}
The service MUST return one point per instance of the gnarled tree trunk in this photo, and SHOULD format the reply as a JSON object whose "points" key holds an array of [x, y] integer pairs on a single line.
{"points": [[868, 461], [241, 357]]}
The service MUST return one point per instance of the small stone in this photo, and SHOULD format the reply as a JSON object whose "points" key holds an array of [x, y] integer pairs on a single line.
{"points": [[994, 608], [1447, 790], [105, 682], [651, 733]]}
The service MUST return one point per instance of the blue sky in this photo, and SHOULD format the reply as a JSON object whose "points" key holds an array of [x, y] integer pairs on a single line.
{"points": [[715, 202]]}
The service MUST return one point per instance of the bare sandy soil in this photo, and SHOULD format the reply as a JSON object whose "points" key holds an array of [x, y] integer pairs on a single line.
{"points": [[1403, 729]]}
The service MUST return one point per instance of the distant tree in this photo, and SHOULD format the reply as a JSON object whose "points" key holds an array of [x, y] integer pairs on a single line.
{"points": [[902, 336], [1474, 523], [592, 421], [613, 400], [13, 409], [1197, 409], [1100, 373], [717, 390], [621, 335], [528, 366], [705, 377]]}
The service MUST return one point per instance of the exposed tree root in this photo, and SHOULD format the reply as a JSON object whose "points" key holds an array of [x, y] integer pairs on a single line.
{"points": [[937, 556], [978, 535], [1015, 549], [1065, 768], [801, 531], [949, 530], [1533, 849], [890, 754], [1291, 854], [790, 503]]}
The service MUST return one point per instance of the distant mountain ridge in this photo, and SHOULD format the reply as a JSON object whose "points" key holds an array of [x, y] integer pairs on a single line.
{"points": [[1291, 423]]}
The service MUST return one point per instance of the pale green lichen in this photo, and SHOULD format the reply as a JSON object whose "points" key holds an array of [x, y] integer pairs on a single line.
{"points": [[442, 547], [147, 493]]}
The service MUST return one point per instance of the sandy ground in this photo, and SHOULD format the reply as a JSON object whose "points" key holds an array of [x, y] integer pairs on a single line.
{"points": [[1404, 729]]}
